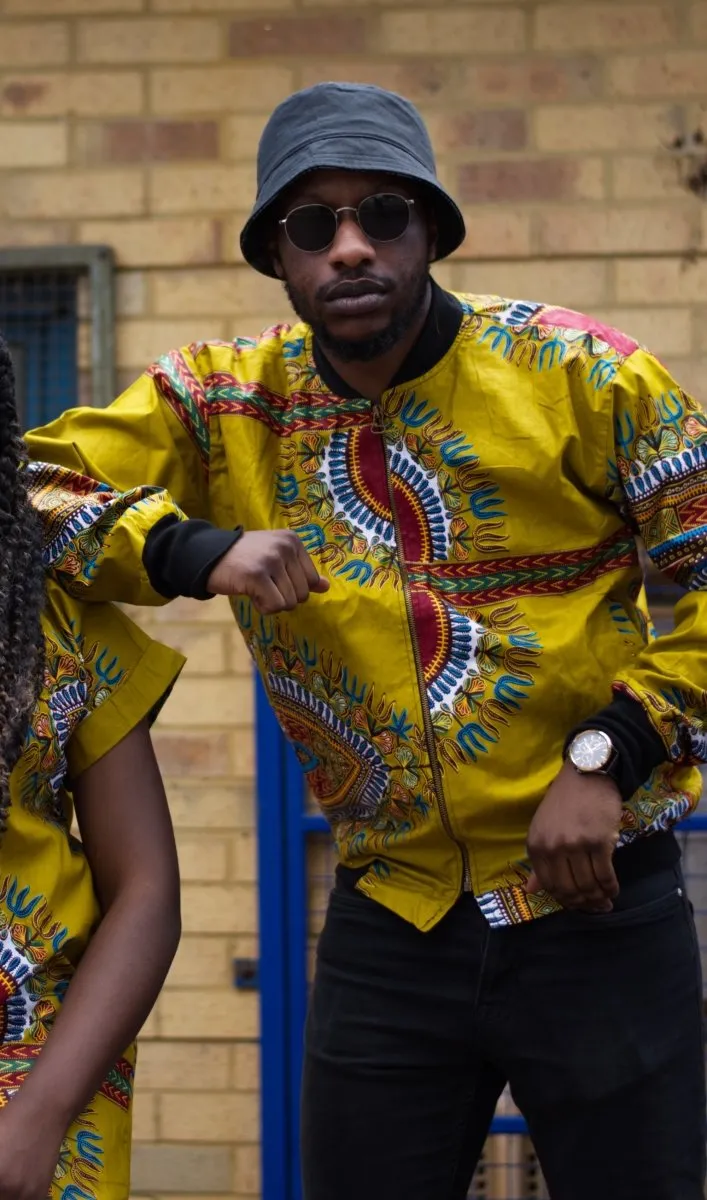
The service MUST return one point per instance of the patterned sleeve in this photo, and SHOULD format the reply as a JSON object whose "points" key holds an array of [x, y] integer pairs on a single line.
{"points": [[115, 473], [659, 451], [122, 677]]}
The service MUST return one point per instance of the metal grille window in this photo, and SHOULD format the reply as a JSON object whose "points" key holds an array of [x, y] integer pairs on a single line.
{"points": [[56, 312]]}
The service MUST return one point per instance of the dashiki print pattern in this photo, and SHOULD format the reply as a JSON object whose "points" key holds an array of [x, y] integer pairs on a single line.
{"points": [[477, 526], [102, 677]]}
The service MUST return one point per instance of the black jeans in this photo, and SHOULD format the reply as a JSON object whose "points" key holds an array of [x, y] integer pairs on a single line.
{"points": [[595, 1021]]}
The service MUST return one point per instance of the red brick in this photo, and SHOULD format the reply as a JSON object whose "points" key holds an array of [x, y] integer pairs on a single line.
{"points": [[428, 80], [152, 141], [538, 78], [528, 181], [494, 129], [297, 35], [205, 755]]}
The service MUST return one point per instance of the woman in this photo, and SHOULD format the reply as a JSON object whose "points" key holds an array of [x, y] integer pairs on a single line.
{"points": [[88, 928]]}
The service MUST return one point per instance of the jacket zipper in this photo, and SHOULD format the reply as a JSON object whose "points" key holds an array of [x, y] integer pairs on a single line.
{"points": [[379, 427]]}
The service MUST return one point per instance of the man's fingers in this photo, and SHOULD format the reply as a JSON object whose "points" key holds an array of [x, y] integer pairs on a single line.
{"points": [[603, 867], [590, 894], [299, 580], [268, 598], [283, 582]]}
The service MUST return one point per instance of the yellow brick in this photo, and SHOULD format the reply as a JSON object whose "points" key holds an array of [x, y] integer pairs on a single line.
{"points": [[698, 22], [663, 331], [170, 1066], [211, 1016], [201, 189], [210, 1117], [202, 806], [204, 859], [222, 291], [244, 753], [156, 243], [489, 30], [32, 233], [209, 702], [577, 26], [34, 44], [592, 127], [245, 857], [245, 1074], [140, 343], [643, 177], [199, 90], [151, 1027], [73, 194], [149, 41], [75, 93], [242, 136], [228, 6], [676, 73], [204, 646], [240, 661], [231, 237], [248, 1180], [500, 234], [690, 375], [53, 8], [144, 1115], [219, 908], [184, 609], [576, 284], [668, 280], [130, 294], [33, 144], [576, 230], [202, 962]]}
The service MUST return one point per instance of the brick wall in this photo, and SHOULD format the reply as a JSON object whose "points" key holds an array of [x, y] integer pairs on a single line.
{"points": [[135, 122]]}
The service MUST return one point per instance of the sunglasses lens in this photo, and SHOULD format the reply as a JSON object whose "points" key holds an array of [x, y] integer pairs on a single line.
{"points": [[311, 227], [384, 218]]}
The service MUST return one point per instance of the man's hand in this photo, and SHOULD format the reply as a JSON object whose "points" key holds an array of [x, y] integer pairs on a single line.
{"points": [[271, 568], [571, 841]]}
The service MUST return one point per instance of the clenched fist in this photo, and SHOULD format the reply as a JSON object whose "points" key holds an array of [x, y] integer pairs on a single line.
{"points": [[272, 568], [572, 839]]}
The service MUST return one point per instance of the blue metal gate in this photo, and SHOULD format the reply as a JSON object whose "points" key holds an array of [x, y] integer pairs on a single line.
{"points": [[296, 864]]}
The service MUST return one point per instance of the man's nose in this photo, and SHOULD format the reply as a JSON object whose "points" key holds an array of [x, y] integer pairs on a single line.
{"points": [[350, 248]]}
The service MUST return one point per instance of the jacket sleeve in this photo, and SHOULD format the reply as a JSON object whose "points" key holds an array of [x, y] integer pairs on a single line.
{"points": [[659, 447], [106, 478]]}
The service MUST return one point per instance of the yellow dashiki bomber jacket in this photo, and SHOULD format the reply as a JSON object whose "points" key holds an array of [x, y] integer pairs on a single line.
{"points": [[477, 527]]}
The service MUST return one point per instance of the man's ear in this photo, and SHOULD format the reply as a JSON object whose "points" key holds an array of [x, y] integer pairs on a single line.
{"points": [[276, 264]]}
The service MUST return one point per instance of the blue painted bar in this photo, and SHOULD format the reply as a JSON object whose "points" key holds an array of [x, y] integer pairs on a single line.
{"points": [[272, 873]]}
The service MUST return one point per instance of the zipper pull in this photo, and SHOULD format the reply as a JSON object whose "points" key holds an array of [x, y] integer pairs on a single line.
{"points": [[379, 423]]}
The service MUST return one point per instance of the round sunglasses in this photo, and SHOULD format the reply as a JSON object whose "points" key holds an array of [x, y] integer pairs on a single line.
{"points": [[313, 227]]}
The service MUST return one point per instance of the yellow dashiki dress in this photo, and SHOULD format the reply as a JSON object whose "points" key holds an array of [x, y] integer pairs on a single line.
{"points": [[102, 677]]}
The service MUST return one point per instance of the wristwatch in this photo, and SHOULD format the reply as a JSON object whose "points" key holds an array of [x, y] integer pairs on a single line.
{"points": [[592, 752]]}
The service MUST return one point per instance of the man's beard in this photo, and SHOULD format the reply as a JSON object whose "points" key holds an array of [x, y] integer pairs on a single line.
{"points": [[414, 291]]}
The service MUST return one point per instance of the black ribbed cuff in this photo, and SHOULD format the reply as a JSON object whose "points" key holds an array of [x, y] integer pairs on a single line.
{"points": [[179, 556], [639, 747]]}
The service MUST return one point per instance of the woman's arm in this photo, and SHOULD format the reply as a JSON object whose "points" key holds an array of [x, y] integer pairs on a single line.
{"points": [[127, 834]]}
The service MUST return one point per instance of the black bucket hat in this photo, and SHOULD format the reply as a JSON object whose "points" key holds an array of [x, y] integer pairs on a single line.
{"points": [[352, 127]]}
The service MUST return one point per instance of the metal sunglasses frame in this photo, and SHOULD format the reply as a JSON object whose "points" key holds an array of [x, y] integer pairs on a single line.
{"points": [[347, 208]]}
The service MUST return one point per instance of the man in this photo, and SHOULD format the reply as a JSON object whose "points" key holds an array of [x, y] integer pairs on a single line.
{"points": [[426, 505]]}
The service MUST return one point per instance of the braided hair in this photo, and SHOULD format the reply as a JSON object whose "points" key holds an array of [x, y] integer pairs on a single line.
{"points": [[21, 589]]}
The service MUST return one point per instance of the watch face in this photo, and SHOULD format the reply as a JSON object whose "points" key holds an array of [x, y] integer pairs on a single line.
{"points": [[591, 751]]}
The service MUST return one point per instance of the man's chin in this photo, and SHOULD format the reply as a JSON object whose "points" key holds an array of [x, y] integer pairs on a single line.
{"points": [[356, 342]]}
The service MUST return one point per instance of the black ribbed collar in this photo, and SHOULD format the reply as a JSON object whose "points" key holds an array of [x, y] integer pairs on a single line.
{"points": [[438, 333]]}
